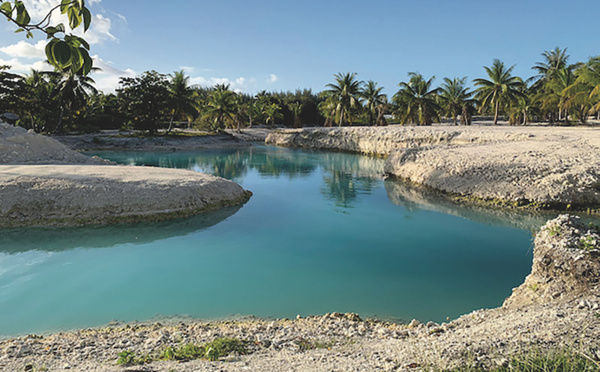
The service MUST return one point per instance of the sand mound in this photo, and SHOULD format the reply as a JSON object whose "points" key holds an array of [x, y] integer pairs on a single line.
{"points": [[18, 146]]}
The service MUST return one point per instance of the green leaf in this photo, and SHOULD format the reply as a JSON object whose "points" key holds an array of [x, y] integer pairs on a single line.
{"points": [[29, 35], [23, 18], [60, 27], [19, 30], [61, 54], [77, 60], [6, 8], [88, 63], [49, 47], [87, 18], [51, 31], [75, 18], [64, 6]]}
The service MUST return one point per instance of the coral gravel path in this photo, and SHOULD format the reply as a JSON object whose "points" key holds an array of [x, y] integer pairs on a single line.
{"points": [[537, 166]]}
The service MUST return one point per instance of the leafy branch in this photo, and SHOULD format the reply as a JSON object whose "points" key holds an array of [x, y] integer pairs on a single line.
{"points": [[63, 52]]}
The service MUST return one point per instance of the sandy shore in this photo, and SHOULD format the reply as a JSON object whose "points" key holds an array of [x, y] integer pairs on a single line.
{"points": [[100, 194], [43, 182], [537, 167], [563, 313]]}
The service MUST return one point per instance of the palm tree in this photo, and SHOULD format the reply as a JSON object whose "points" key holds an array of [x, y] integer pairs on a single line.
{"points": [[374, 99], [555, 60], [455, 97], [551, 99], [501, 89], [183, 103], [220, 107], [296, 109], [345, 92], [73, 90], [416, 101], [589, 74], [272, 113]]}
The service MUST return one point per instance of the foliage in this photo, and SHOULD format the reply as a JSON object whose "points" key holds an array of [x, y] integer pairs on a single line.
{"points": [[145, 99], [536, 361], [64, 51], [375, 101], [456, 99], [213, 350], [344, 95], [500, 90], [417, 101]]}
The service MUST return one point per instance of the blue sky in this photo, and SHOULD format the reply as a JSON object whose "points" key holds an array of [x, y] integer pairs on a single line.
{"points": [[285, 45]]}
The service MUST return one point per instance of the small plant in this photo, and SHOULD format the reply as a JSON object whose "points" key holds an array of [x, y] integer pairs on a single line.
{"points": [[534, 287], [214, 350], [554, 230], [126, 358], [587, 243], [187, 352], [535, 361], [307, 344]]}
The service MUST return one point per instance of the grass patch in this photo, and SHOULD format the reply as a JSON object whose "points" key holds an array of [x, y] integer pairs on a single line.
{"points": [[564, 361], [213, 351], [305, 344]]}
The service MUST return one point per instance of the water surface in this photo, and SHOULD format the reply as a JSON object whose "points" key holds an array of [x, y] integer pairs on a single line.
{"points": [[323, 232]]}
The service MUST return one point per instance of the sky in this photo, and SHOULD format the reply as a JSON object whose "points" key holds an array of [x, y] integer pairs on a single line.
{"points": [[284, 45]]}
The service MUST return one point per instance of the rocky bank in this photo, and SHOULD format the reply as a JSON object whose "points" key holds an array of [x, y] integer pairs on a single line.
{"points": [[557, 307], [539, 167], [42, 182]]}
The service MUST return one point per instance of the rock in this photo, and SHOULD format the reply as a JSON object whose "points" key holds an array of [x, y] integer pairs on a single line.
{"points": [[414, 323], [565, 264]]}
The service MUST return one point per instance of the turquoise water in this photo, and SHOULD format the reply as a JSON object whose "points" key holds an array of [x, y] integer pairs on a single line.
{"points": [[323, 232]]}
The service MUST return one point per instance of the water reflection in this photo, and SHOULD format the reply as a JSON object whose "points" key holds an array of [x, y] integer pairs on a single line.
{"points": [[413, 199], [62, 239]]}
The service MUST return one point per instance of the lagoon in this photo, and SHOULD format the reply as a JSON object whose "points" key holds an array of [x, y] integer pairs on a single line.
{"points": [[323, 232]]}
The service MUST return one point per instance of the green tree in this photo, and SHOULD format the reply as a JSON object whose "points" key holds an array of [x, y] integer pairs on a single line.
{"points": [[272, 112], [554, 61], [182, 100], [374, 99], [64, 51], [220, 107], [296, 109], [73, 90], [417, 100], [455, 98], [146, 99], [345, 92], [500, 90], [11, 87]]}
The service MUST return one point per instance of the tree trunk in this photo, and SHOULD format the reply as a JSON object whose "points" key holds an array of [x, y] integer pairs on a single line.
{"points": [[341, 117], [497, 107], [170, 124]]}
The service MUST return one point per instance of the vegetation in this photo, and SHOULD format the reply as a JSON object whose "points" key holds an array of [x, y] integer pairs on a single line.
{"points": [[64, 52], [561, 361], [66, 100], [213, 351]]}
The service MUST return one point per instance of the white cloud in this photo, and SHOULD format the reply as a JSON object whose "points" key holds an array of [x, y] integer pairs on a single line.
{"points": [[238, 85], [272, 78], [23, 49], [107, 78], [17, 66], [187, 69]]}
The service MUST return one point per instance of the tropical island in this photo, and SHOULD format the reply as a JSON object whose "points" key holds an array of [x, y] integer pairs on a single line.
{"points": [[506, 144]]}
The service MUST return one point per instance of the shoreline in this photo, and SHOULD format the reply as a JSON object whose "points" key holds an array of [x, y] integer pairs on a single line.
{"points": [[563, 314], [535, 168], [45, 183]]}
